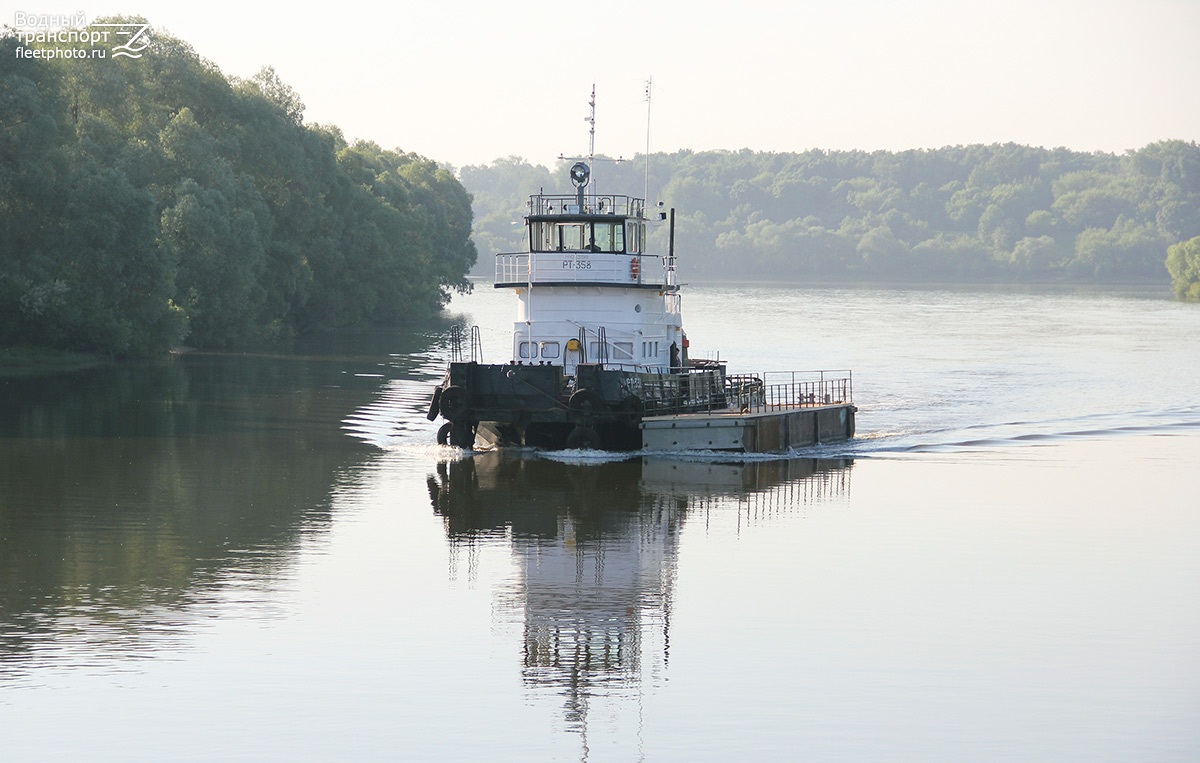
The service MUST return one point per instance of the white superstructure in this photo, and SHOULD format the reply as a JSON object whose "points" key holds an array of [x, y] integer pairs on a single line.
{"points": [[587, 291]]}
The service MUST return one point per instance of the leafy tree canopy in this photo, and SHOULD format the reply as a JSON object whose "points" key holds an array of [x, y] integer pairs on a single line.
{"points": [[1183, 263], [960, 213], [152, 201]]}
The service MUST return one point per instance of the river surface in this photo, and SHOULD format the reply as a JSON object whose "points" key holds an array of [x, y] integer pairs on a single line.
{"points": [[265, 557]]}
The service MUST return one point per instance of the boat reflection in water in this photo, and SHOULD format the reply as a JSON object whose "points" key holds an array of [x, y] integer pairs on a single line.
{"points": [[596, 547]]}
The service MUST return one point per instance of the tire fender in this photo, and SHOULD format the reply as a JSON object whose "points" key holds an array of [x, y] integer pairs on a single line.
{"points": [[434, 406], [585, 402], [455, 403]]}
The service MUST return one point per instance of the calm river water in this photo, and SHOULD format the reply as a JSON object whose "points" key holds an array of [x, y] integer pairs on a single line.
{"points": [[249, 557]]}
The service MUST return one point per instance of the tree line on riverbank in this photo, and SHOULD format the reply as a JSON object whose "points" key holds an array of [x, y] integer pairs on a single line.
{"points": [[152, 201], [980, 213]]}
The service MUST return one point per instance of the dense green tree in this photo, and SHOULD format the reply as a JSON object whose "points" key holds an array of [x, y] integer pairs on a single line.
{"points": [[1092, 207], [1037, 255], [883, 255], [1126, 250], [32, 168], [1000, 212], [152, 201], [501, 192], [1183, 263], [118, 280], [965, 208]]}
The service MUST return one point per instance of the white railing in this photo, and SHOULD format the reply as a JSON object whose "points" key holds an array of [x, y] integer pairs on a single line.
{"points": [[512, 268], [579, 267], [607, 204]]}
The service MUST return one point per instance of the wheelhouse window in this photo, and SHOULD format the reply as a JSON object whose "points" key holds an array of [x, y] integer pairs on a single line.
{"points": [[541, 237], [572, 237], [608, 237], [527, 350], [549, 349], [634, 233], [553, 236]]}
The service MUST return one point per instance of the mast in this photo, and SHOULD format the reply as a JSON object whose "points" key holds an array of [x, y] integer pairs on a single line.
{"points": [[591, 120], [590, 158], [646, 186]]}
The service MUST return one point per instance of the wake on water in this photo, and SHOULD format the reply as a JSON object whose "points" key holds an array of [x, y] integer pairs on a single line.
{"points": [[396, 421], [974, 437]]}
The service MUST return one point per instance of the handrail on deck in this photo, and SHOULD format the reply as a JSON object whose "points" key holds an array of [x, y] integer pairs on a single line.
{"points": [[599, 204], [699, 390], [754, 393], [618, 268]]}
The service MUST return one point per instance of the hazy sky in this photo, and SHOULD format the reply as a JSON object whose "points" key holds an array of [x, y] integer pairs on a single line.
{"points": [[467, 82]]}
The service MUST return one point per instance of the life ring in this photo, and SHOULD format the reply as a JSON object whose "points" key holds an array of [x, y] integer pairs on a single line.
{"points": [[455, 403], [635, 268]]}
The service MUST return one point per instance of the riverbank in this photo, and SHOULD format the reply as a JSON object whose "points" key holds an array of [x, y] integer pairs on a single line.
{"points": [[25, 361]]}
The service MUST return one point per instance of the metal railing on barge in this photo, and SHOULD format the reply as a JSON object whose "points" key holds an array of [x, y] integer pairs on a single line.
{"points": [[698, 391], [781, 390]]}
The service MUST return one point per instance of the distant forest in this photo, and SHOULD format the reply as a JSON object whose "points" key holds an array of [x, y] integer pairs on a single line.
{"points": [[152, 201], [996, 213]]}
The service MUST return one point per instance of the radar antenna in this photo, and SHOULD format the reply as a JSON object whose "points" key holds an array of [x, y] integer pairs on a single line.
{"points": [[591, 154]]}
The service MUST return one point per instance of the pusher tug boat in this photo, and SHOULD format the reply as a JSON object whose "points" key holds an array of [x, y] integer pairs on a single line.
{"points": [[600, 358]]}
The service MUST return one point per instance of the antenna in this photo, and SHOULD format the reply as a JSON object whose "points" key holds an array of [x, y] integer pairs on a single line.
{"points": [[591, 120], [646, 186], [591, 154]]}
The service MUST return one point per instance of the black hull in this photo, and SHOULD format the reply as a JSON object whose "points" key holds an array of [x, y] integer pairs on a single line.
{"points": [[539, 406], [601, 433]]}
